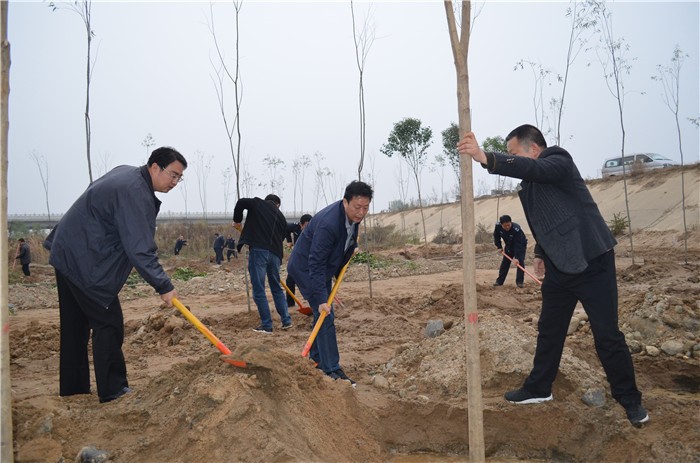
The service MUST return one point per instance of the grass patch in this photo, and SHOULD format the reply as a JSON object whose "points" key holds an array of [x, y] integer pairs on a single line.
{"points": [[186, 273]]}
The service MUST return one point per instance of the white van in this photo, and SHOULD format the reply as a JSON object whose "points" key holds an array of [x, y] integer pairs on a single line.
{"points": [[613, 167]]}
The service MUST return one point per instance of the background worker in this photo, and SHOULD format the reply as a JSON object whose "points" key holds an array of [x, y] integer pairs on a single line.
{"points": [[515, 246], [179, 243], [574, 253], [107, 232], [230, 248], [24, 255], [218, 248], [264, 231], [324, 247], [293, 232]]}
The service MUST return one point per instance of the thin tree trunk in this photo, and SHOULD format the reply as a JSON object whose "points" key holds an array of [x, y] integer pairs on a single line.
{"points": [[6, 450], [460, 51]]}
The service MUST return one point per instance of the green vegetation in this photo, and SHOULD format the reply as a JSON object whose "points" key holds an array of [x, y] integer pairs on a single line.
{"points": [[186, 273], [134, 279], [364, 257], [618, 224]]}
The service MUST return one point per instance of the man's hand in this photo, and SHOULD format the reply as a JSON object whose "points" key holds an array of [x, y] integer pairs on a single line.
{"points": [[237, 226], [168, 297], [516, 262], [324, 308], [539, 267], [499, 250], [468, 146]]}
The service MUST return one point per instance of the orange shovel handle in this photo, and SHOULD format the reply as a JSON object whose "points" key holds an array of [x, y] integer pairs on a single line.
{"points": [[322, 315], [289, 291], [205, 331]]}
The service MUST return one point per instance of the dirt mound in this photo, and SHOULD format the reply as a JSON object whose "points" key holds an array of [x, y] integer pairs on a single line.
{"points": [[411, 397]]}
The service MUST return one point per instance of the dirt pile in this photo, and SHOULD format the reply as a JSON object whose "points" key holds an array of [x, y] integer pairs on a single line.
{"points": [[411, 397]]}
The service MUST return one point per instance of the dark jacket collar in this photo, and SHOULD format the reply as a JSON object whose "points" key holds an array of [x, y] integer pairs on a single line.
{"points": [[147, 177]]}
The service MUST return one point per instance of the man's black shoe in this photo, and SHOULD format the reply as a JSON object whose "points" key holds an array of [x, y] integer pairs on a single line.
{"points": [[109, 398], [637, 415], [340, 374], [521, 396], [498, 283], [262, 329], [519, 285]]}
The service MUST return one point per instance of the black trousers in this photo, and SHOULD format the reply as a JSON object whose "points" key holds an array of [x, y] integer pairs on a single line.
{"points": [[596, 288], [229, 253], [292, 287], [79, 314], [219, 255], [505, 266], [25, 269]]}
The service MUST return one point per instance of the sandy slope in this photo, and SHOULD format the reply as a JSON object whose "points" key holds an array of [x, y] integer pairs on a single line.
{"points": [[655, 199]]}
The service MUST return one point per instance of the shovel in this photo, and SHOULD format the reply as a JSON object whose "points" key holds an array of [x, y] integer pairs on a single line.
{"points": [[322, 315], [302, 309], [210, 336], [522, 268]]}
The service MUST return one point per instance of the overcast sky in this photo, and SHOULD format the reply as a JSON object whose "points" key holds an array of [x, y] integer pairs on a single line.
{"points": [[153, 74]]}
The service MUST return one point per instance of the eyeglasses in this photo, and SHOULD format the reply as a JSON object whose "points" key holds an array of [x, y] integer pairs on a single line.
{"points": [[173, 175]]}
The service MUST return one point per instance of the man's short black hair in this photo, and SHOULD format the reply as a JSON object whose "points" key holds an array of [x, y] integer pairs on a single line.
{"points": [[528, 134], [274, 198], [357, 188], [504, 219], [164, 156], [304, 218]]}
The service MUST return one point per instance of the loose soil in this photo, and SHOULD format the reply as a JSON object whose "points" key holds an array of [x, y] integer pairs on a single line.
{"points": [[410, 403]]}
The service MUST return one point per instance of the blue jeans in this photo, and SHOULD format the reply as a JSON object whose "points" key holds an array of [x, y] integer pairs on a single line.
{"points": [[262, 262], [324, 350]]}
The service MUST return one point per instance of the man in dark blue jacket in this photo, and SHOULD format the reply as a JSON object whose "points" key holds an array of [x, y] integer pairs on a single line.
{"points": [[231, 248], [218, 248], [513, 237], [108, 231], [325, 246], [24, 256], [575, 247], [264, 231]]}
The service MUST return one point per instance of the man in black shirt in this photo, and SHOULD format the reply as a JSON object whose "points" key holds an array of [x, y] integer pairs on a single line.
{"points": [[264, 231]]}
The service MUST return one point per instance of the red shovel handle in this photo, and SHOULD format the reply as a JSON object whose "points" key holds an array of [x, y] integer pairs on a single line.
{"points": [[521, 268]]}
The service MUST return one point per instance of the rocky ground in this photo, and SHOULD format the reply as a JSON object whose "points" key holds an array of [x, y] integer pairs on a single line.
{"points": [[410, 403]]}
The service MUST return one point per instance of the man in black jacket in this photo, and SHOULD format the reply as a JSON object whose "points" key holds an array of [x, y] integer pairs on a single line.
{"points": [[108, 231], [24, 256], [264, 231], [515, 241], [575, 247], [231, 248]]}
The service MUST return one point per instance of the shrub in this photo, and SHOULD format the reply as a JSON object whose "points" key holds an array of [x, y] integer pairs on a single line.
{"points": [[618, 224], [483, 235], [447, 236]]}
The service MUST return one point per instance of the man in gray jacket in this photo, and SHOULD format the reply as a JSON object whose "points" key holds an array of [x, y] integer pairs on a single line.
{"points": [[575, 247], [108, 231]]}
